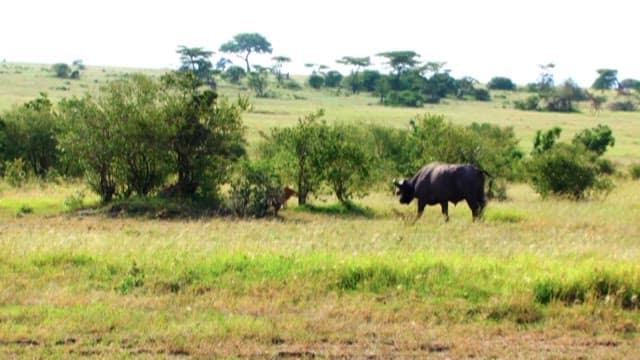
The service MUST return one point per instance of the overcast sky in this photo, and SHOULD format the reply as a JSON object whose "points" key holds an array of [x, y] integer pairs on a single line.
{"points": [[478, 38]]}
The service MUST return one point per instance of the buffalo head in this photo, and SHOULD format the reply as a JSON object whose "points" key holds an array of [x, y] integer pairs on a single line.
{"points": [[405, 190]]}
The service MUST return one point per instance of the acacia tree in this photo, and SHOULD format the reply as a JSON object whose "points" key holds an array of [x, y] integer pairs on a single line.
{"points": [[607, 79], [277, 67], [244, 44], [400, 61], [196, 60], [357, 62]]}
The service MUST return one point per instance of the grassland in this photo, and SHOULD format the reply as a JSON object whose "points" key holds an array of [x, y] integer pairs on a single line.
{"points": [[325, 284]]}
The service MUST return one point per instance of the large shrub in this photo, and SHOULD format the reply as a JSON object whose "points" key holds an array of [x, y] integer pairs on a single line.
{"points": [[89, 138], [315, 80], [206, 134], [29, 132], [573, 170], [138, 131], [296, 152], [346, 163], [492, 148], [119, 138], [332, 79], [564, 170]]}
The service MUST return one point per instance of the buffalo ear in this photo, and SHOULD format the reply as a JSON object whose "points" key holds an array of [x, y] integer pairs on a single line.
{"points": [[398, 183]]}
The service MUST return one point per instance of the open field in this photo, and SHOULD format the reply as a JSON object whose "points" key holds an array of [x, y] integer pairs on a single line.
{"points": [[536, 279]]}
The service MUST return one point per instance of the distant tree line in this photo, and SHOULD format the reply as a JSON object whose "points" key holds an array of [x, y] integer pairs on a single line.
{"points": [[410, 81]]}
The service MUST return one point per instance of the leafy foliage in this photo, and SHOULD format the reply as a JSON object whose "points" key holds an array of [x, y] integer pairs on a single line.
{"points": [[316, 81], [596, 139], [254, 188], [607, 78], [258, 81], [296, 152], [29, 132], [572, 170], [138, 131], [234, 74], [244, 44], [206, 135], [501, 83], [196, 60], [346, 163], [61, 70]]}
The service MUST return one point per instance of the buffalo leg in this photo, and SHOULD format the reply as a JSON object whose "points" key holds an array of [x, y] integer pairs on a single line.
{"points": [[475, 208], [445, 210], [421, 206]]}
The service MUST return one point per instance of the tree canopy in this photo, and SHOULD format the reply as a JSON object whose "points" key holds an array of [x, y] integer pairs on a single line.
{"points": [[196, 59], [607, 78], [400, 61], [244, 44]]}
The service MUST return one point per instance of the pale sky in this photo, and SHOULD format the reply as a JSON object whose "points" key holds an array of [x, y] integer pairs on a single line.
{"points": [[478, 38]]}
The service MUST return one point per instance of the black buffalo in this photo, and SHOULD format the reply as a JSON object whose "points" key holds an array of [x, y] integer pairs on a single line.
{"points": [[438, 183]]}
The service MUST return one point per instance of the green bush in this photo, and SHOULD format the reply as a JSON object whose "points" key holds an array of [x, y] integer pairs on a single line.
{"points": [[622, 105], [332, 79], [61, 70], [501, 83], [481, 95], [404, 98], [596, 139], [296, 153], [531, 103], [29, 132], [74, 201], [254, 189], [346, 163], [316, 81], [234, 74], [634, 171], [15, 172], [565, 170]]}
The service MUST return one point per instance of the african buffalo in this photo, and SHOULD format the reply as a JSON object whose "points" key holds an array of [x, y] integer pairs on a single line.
{"points": [[438, 183]]}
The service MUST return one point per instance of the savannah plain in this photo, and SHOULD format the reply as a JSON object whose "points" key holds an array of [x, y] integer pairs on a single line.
{"points": [[326, 283]]}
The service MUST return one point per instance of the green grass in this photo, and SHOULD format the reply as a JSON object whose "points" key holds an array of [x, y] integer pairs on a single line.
{"points": [[551, 278]]}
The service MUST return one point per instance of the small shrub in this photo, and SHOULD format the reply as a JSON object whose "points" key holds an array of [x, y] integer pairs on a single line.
{"points": [[316, 81], [634, 171], [623, 105], [15, 172], [254, 189], [481, 95], [133, 279], [501, 83], [520, 312], [332, 79], [24, 210], [74, 201], [291, 84], [529, 104], [404, 98]]}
